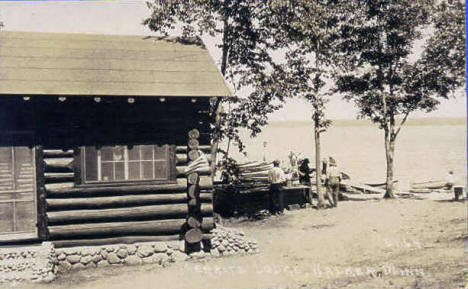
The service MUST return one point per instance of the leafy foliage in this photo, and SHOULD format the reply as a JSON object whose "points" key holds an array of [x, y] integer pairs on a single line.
{"points": [[246, 61], [388, 79]]}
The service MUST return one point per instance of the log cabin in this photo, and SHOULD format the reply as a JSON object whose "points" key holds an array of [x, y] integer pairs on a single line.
{"points": [[96, 132]]}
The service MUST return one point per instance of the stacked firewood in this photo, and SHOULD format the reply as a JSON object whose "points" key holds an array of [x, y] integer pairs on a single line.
{"points": [[254, 172]]}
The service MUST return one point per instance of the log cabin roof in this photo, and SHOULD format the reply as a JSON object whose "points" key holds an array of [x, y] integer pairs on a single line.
{"points": [[34, 63]]}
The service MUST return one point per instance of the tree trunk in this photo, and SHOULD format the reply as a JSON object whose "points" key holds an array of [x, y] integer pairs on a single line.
{"points": [[389, 153], [318, 169], [217, 106], [215, 143]]}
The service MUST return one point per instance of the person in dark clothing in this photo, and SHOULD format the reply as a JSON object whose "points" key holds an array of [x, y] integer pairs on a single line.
{"points": [[304, 172], [304, 179]]}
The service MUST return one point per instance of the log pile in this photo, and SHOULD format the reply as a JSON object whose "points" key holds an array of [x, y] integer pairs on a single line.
{"points": [[254, 172], [227, 241]]}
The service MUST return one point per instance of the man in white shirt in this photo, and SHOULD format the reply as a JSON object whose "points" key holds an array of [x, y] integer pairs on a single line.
{"points": [[276, 178]]}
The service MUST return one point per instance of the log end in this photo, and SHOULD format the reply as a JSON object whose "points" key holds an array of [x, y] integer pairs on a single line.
{"points": [[194, 133], [193, 236]]}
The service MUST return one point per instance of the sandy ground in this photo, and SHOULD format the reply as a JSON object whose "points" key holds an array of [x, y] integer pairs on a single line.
{"points": [[373, 244]]}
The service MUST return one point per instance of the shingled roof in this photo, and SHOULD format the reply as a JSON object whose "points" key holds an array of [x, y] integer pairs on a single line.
{"points": [[106, 65]]}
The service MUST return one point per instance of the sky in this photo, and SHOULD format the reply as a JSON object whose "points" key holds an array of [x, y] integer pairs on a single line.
{"points": [[125, 17]]}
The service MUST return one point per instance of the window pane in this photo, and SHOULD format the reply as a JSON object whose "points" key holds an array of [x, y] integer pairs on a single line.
{"points": [[134, 171], [6, 169], [118, 153], [146, 152], [25, 216], [106, 153], [161, 169], [107, 171], [6, 217], [119, 168], [134, 153], [24, 168], [91, 165], [147, 170], [160, 152]]}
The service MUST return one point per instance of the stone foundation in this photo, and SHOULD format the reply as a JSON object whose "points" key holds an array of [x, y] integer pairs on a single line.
{"points": [[77, 258], [41, 263], [27, 263]]}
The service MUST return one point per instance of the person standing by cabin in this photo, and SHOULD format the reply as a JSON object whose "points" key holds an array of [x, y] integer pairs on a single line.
{"points": [[276, 178], [333, 181]]}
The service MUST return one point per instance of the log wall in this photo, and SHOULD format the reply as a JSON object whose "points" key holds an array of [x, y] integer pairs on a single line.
{"points": [[70, 211]]}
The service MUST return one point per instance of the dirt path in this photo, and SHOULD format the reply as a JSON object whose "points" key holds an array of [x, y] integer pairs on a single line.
{"points": [[373, 244]]}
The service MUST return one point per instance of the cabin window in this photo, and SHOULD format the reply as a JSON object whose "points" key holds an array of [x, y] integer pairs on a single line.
{"points": [[17, 186], [127, 163]]}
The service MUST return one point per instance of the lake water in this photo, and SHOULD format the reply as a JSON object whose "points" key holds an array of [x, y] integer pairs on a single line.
{"points": [[425, 149]]}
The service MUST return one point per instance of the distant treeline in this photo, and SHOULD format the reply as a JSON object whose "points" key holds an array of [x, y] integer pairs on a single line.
{"points": [[365, 122]]}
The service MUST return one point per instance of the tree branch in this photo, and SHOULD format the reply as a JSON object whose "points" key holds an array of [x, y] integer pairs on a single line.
{"points": [[402, 122]]}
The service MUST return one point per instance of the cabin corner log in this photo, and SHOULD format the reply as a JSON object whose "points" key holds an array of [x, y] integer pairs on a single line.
{"points": [[194, 133], [193, 222], [193, 155], [192, 191], [205, 182], [128, 213], [121, 201], [184, 149], [58, 177], [48, 153], [181, 149], [193, 144], [69, 188], [207, 224], [59, 164], [181, 159], [180, 171], [155, 228], [193, 235], [192, 178]]}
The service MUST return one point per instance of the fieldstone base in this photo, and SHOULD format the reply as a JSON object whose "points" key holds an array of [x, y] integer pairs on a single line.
{"points": [[27, 263], [41, 263]]}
